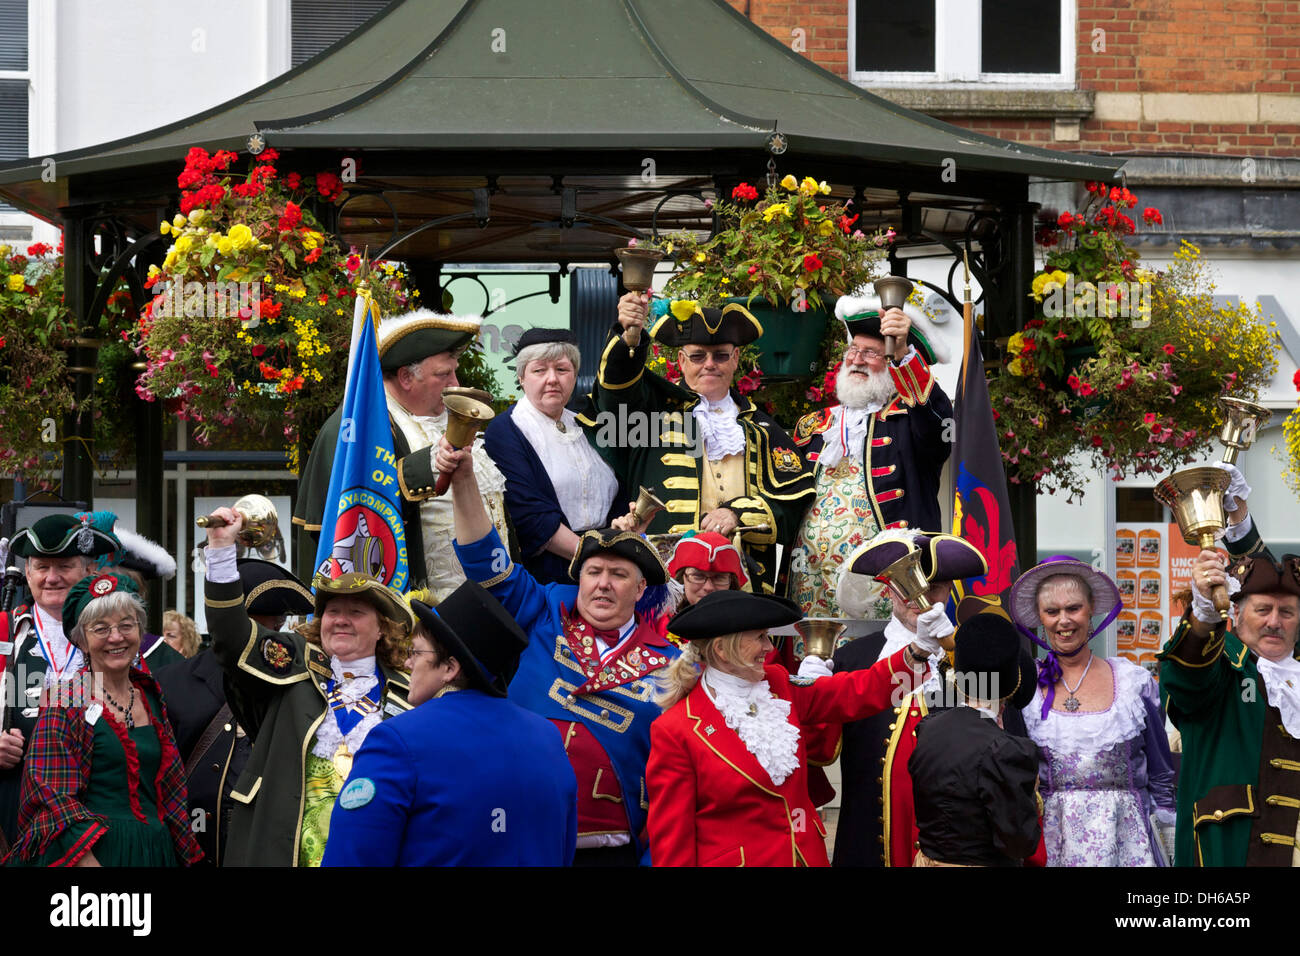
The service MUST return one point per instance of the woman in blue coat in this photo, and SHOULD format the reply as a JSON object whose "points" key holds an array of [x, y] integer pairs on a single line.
{"points": [[557, 486]]}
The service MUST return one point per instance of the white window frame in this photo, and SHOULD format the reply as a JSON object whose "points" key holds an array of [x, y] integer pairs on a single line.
{"points": [[957, 41], [42, 119]]}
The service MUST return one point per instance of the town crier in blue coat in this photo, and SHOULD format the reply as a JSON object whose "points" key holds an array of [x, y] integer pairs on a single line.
{"points": [[877, 457], [466, 778], [590, 663]]}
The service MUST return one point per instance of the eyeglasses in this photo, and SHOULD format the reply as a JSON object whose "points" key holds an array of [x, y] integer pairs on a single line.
{"points": [[127, 629], [415, 652], [721, 579], [853, 352], [719, 356]]}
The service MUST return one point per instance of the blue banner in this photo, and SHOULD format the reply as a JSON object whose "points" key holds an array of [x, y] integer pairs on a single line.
{"points": [[362, 530]]}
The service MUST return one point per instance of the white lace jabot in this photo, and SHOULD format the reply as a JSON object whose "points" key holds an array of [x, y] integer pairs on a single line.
{"points": [[1282, 681], [351, 689], [719, 428], [1095, 731], [761, 720]]}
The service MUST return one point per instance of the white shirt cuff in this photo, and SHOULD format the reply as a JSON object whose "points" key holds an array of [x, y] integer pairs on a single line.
{"points": [[1235, 532], [222, 568]]}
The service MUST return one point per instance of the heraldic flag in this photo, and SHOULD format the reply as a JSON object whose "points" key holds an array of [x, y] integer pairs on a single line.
{"points": [[981, 511], [362, 527]]}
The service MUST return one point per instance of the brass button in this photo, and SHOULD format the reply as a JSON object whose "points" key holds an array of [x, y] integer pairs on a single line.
{"points": [[1218, 814], [216, 768], [880, 819], [880, 839], [880, 800], [893, 726], [880, 780], [604, 713]]}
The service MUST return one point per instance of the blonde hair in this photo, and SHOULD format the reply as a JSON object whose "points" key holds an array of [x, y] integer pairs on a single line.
{"points": [[681, 676], [189, 631]]}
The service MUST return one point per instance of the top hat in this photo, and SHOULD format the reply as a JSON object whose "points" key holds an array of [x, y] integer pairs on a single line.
{"points": [[473, 627], [987, 646]]}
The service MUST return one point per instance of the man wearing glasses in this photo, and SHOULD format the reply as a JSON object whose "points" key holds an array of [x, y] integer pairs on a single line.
{"points": [[719, 463], [419, 353], [877, 456]]}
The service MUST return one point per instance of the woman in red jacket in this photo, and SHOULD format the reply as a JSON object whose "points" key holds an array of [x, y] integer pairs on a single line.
{"points": [[727, 776]]}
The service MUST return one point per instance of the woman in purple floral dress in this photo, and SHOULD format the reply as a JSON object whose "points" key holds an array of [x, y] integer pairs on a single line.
{"points": [[1105, 766]]}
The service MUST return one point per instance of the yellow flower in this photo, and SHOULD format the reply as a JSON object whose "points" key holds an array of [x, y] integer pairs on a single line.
{"points": [[4, 251], [197, 216], [774, 210], [183, 244], [1015, 368], [225, 246], [154, 270], [179, 221], [164, 227], [310, 240], [1016, 343], [808, 187], [700, 257], [169, 261], [241, 236], [824, 188], [825, 227], [16, 282], [790, 184]]}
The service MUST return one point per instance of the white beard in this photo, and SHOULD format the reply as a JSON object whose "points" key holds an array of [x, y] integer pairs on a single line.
{"points": [[857, 391]]}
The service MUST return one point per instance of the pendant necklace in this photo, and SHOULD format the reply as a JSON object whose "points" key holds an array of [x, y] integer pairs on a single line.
{"points": [[1072, 702], [125, 711]]}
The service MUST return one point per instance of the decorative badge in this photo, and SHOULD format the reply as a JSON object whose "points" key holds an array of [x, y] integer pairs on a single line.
{"points": [[102, 585], [811, 424], [785, 459], [277, 654], [357, 793]]}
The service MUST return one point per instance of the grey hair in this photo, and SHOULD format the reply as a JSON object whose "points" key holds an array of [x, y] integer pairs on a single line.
{"points": [[110, 605], [546, 352], [1056, 580]]}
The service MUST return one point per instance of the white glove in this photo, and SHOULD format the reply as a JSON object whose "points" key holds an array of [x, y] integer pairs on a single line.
{"points": [[1237, 491], [930, 627], [1165, 817], [815, 667], [1203, 608]]}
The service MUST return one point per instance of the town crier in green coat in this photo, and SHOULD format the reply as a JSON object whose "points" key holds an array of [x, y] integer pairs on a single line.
{"points": [[1235, 697], [307, 699], [717, 461]]}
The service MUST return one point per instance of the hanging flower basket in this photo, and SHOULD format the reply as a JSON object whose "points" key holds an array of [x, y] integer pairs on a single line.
{"points": [[791, 341]]}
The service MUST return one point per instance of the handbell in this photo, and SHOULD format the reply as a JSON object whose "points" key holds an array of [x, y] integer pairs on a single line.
{"points": [[820, 635], [647, 506], [465, 417], [892, 292], [1195, 496], [638, 273], [261, 521], [906, 579], [1242, 421]]}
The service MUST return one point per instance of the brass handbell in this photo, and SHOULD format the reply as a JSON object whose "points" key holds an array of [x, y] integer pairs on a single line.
{"points": [[1195, 496], [820, 635], [465, 417], [261, 521], [647, 506], [906, 579], [1242, 421], [892, 292], [638, 273]]}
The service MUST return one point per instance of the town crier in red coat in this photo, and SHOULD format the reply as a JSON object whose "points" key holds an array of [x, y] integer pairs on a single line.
{"points": [[727, 776]]}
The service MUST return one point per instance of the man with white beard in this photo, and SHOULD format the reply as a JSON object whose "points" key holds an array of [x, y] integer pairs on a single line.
{"points": [[877, 455]]}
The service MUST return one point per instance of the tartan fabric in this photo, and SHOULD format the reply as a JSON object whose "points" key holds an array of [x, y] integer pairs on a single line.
{"points": [[57, 770]]}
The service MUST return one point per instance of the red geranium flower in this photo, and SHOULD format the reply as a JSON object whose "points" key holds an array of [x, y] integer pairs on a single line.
{"points": [[1151, 216], [1168, 348], [744, 192], [1065, 220], [812, 263], [292, 216]]}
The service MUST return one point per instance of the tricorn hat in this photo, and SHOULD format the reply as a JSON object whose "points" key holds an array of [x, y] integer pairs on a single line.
{"points": [[861, 316], [686, 322], [354, 584], [944, 557], [413, 337], [709, 552], [474, 628], [63, 536], [622, 544], [729, 612], [1261, 575], [272, 591], [988, 655]]}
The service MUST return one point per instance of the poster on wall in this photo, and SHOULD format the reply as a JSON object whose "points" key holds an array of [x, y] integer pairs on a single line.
{"points": [[1153, 564], [283, 546]]}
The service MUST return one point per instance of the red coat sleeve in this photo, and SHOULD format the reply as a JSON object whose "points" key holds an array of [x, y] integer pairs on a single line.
{"points": [[671, 787], [853, 695]]}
